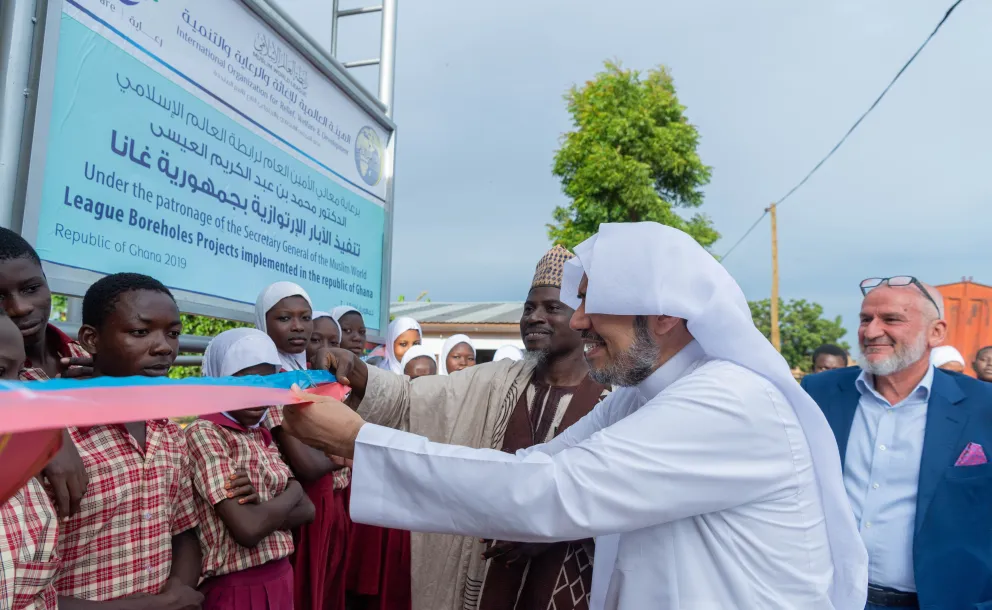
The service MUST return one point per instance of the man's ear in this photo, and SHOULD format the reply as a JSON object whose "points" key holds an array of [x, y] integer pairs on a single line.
{"points": [[88, 338], [938, 331], [662, 325]]}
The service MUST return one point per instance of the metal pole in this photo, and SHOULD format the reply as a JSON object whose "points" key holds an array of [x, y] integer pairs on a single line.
{"points": [[334, 28], [361, 63], [776, 337], [74, 310], [387, 56], [17, 24], [351, 12]]}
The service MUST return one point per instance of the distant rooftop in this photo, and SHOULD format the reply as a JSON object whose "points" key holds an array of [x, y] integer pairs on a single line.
{"points": [[459, 313]]}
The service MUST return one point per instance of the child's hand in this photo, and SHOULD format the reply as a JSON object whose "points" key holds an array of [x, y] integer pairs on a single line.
{"points": [[239, 486]]}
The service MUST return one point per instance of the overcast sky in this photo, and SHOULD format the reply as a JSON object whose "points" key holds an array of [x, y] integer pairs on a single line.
{"points": [[770, 85]]}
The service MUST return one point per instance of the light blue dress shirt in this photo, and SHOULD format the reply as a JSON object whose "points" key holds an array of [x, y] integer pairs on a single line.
{"points": [[881, 473]]}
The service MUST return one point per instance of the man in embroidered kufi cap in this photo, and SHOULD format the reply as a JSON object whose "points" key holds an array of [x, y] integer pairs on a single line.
{"points": [[506, 405], [709, 478]]}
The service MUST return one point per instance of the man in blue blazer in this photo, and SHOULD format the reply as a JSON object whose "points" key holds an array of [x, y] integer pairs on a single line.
{"points": [[916, 443]]}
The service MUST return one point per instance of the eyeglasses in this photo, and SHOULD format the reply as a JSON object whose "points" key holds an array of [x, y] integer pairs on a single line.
{"points": [[897, 281]]}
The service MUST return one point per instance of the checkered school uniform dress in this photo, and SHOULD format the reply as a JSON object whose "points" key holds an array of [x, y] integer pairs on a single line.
{"points": [[217, 451], [28, 556], [120, 541]]}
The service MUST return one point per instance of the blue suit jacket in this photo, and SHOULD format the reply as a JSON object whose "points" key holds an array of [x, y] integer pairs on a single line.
{"points": [[952, 546]]}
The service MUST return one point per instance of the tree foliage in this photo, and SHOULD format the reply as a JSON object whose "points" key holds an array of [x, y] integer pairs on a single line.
{"points": [[204, 327], [60, 305], [630, 157], [802, 329]]}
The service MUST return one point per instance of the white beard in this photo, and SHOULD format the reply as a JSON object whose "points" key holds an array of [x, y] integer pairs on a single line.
{"points": [[902, 358]]}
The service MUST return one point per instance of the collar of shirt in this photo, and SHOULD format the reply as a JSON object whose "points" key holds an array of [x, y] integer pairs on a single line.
{"points": [[226, 421], [866, 383], [260, 422], [57, 340], [669, 372], [119, 426]]}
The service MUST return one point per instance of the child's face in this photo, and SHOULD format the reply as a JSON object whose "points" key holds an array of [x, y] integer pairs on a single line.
{"points": [[25, 296], [420, 367], [460, 357], [289, 324], [325, 334], [11, 350], [404, 342], [353, 332], [139, 337], [250, 417]]}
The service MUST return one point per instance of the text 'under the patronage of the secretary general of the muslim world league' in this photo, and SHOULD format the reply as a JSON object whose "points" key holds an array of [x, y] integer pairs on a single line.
{"points": [[220, 231]]}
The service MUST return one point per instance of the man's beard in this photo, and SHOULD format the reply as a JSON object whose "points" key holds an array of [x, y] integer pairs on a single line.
{"points": [[537, 357], [902, 358], [632, 366]]}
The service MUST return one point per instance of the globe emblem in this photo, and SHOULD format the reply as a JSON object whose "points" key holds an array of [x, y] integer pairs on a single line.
{"points": [[368, 155]]}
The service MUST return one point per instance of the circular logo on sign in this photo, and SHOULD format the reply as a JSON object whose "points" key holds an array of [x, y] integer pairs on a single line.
{"points": [[368, 155]]}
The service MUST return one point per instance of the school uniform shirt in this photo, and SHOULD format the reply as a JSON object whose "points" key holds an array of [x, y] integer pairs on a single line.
{"points": [[62, 344], [217, 447], [28, 555], [138, 498]]}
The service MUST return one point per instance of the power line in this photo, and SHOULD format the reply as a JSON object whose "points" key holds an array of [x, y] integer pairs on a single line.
{"points": [[743, 237], [857, 123]]}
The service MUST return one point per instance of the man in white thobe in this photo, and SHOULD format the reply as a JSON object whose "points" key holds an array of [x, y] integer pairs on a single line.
{"points": [[710, 479]]}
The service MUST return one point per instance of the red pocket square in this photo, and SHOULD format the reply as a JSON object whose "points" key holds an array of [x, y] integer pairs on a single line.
{"points": [[973, 455]]}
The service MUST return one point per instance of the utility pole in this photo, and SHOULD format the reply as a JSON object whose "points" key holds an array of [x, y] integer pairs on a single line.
{"points": [[776, 337]]}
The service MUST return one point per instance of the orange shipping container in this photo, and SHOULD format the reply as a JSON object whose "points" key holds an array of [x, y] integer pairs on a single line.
{"points": [[968, 310]]}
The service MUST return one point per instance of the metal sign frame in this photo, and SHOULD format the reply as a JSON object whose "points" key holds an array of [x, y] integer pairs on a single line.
{"points": [[74, 282]]}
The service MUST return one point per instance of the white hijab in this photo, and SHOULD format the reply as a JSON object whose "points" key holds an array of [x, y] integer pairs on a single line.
{"points": [[396, 328], [338, 312], [417, 351], [266, 301], [325, 314], [675, 276], [453, 340], [943, 354], [508, 352], [237, 349]]}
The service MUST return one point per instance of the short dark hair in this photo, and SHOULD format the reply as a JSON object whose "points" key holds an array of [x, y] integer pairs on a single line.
{"points": [[829, 350], [979, 353], [14, 246], [103, 295]]}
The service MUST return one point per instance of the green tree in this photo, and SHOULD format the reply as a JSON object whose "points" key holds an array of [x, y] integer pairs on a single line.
{"points": [[802, 329], [60, 305], [630, 157], [202, 326]]}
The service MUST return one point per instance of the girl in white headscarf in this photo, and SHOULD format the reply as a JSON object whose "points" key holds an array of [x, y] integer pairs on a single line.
{"points": [[508, 352], [284, 311], [352, 326], [220, 443], [457, 353], [402, 334], [413, 360], [233, 352], [326, 333], [948, 358]]}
